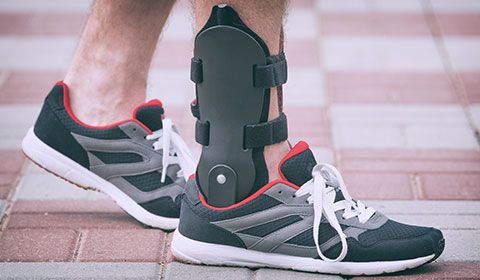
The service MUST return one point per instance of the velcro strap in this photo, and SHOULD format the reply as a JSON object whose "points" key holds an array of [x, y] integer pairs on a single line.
{"points": [[256, 135], [273, 74], [263, 134], [202, 133], [196, 70]]}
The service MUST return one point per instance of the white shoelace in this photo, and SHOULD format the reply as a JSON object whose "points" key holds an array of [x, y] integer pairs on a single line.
{"points": [[322, 197], [175, 150]]}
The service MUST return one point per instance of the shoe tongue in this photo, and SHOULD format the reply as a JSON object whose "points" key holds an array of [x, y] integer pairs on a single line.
{"points": [[150, 114], [296, 167]]}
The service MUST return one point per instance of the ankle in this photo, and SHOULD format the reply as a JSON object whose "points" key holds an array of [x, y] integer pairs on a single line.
{"points": [[273, 155], [102, 103]]}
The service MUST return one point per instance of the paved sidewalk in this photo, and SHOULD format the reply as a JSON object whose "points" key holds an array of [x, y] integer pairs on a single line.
{"points": [[389, 91]]}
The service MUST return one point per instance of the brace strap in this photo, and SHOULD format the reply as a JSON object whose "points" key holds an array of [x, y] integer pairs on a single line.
{"points": [[273, 74], [255, 135]]}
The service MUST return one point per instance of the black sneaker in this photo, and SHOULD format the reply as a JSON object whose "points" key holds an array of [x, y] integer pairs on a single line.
{"points": [[141, 163], [306, 221]]}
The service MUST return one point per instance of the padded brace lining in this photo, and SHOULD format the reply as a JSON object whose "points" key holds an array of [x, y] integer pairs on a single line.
{"points": [[273, 74]]}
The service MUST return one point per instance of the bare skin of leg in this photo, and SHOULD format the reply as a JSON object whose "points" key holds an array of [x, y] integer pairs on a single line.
{"points": [[265, 18], [108, 74]]}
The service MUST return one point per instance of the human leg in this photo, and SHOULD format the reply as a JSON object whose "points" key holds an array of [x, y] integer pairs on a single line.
{"points": [[108, 74], [86, 132]]}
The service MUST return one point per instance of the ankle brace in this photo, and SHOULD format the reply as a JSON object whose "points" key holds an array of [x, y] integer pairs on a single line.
{"points": [[233, 72]]}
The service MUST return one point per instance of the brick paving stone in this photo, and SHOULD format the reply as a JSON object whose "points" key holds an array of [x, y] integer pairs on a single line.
{"points": [[276, 274], [302, 53], [461, 186], [438, 174], [380, 54], [471, 83], [412, 6], [62, 270], [70, 214], [41, 24], [437, 270], [441, 214], [461, 50], [66, 206], [302, 4], [373, 24], [138, 245], [15, 160], [174, 54], [36, 53], [177, 270], [445, 222], [412, 126], [28, 87], [378, 186], [459, 24], [428, 207], [389, 88], [87, 220], [309, 124], [38, 184], [31, 244], [9, 172], [74, 214], [44, 6], [168, 242]]}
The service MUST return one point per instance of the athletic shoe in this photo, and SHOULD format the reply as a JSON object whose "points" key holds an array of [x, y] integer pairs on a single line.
{"points": [[141, 163], [316, 227]]}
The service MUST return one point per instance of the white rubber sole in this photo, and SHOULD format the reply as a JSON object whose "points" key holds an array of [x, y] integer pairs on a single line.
{"points": [[65, 168], [197, 252]]}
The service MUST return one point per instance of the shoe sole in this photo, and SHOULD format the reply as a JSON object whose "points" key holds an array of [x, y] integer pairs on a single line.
{"points": [[192, 251], [61, 166]]}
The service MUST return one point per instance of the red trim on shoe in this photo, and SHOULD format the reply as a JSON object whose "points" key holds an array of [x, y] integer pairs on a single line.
{"points": [[153, 102], [250, 198], [300, 147], [66, 104]]}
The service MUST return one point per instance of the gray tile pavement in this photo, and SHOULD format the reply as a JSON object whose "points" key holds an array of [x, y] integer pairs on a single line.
{"points": [[37, 184], [412, 126], [3, 205], [79, 271], [15, 121], [276, 274], [182, 271]]}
